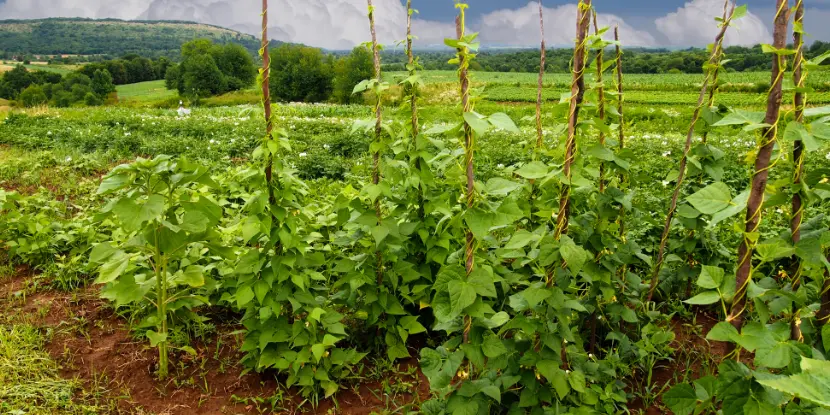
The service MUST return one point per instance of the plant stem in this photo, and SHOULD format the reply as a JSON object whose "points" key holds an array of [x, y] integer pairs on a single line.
{"points": [[600, 105], [577, 93], [716, 71], [539, 135], [378, 133], [466, 106], [621, 128], [762, 164], [714, 60], [799, 77], [413, 105], [266, 99]]}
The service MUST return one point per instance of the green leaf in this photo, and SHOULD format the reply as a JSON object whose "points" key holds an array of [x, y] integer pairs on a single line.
{"points": [[533, 170], [244, 296], [681, 399], [380, 233], [556, 376], [739, 12], [194, 276], [156, 338], [520, 240], [797, 132], [574, 255], [775, 357], [318, 350], [116, 265], [577, 381], [482, 281], [113, 182], [704, 298], [817, 112], [500, 187], [710, 277], [477, 122], [723, 332], [736, 206], [711, 199], [493, 346], [462, 295], [601, 152], [812, 384], [740, 117], [503, 122]]}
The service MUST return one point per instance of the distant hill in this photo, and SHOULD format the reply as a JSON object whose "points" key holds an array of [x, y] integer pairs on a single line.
{"points": [[67, 36]]}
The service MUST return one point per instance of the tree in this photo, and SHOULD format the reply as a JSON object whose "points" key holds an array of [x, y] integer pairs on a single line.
{"points": [[172, 79], [201, 77], [350, 71], [33, 96], [102, 83], [17, 80], [236, 64], [300, 73]]}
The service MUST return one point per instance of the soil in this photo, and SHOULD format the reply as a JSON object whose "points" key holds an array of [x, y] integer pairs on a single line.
{"points": [[93, 343]]}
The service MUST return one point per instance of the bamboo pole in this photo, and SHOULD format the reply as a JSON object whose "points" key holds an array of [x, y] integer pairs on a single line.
{"points": [[577, 94], [600, 104], [762, 164], [378, 133], [539, 135]]}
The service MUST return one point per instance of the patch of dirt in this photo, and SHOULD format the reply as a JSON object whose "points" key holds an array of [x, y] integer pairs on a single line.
{"points": [[92, 343]]}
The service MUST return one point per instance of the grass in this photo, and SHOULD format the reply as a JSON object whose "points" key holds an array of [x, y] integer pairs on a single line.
{"points": [[145, 92], [61, 69], [29, 378]]}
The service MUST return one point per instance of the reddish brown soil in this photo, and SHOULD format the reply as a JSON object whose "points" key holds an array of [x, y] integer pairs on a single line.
{"points": [[92, 343]]}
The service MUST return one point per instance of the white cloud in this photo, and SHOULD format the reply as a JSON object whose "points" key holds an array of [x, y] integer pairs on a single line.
{"points": [[520, 27], [694, 25]]}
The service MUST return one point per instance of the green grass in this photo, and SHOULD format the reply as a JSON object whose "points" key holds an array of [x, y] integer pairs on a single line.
{"points": [[29, 378], [145, 92]]}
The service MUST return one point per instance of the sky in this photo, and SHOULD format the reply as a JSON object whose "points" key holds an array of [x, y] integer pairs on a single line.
{"points": [[342, 24]]}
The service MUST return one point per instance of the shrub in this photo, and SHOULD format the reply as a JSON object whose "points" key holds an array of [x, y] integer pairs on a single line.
{"points": [[33, 96]]}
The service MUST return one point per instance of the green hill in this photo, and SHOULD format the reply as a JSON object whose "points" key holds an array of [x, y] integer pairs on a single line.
{"points": [[62, 36]]}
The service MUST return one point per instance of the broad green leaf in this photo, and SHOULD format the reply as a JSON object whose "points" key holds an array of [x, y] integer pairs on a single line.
{"points": [[503, 122], [812, 384], [577, 381], [797, 132], [739, 12], [520, 240], [574, 255], [817, 112], [723, 332], [740, 117], [462, 295], [156, 338], [710, 277], [482, 281], [380, 233], [500, 187], [736, 206], [681, 399], [194, 276], [533, 170], [704, 298], [244, 296], [111, 270], [113, 182], [477, 122], [318, 350], [712, 199], [493, 346]]}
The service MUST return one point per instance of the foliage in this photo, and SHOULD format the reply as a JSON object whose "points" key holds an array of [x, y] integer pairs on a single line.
{"points": [[33, 96], [350, 71], [300, 74], [208, 69]]}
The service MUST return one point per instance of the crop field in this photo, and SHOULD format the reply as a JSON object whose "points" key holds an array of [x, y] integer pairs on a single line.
{"points": [[650, 244], [145, 92]]}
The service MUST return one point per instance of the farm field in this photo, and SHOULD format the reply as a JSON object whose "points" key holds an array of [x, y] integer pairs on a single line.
{"points": [[51, 164], [145, 92], [452, 243]]}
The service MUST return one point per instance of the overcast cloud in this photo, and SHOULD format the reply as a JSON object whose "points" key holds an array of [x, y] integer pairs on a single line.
{"points": [[342, 24]]}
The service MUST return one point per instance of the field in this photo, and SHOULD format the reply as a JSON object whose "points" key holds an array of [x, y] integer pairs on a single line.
{"points": [[108, 213], [145, 92], [40, 66]]}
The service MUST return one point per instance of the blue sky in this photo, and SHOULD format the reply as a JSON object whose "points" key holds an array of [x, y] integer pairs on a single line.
{"points": [[341, 24]]}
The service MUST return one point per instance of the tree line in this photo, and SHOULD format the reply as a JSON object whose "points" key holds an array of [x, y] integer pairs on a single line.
{"points": [[640, 61], [34, 88]]}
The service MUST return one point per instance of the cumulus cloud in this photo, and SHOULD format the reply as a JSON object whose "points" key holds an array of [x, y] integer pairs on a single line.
{"points": [[520, 27], [694, 25]]}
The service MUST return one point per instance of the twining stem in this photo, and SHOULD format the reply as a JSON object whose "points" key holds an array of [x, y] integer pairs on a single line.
{"points": [[600, 104], [266, 99], [161, 306], [716, 73], [378, 132], [539, 136], [714, 60], [577, 94], [620, 104], [762, 165], [466, 106], [413, 105], [799, 77]]}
